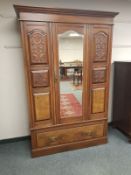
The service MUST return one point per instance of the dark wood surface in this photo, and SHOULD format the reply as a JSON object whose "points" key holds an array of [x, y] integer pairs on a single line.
{"points": [[122, 97], [50, 133]]}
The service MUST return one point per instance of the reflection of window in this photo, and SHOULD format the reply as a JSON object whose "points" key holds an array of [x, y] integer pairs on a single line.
{"points": [[70, 72], [78, 62], [70, 34]]}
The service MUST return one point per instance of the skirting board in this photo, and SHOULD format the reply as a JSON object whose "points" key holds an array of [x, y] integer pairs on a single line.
{"points": [[17, 139]]}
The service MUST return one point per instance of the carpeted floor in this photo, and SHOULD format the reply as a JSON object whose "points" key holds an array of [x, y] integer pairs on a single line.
{"points": [[69, 106], [113, 158], [66, 87]]}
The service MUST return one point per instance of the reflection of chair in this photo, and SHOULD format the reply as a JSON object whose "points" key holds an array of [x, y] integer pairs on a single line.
{"points": [[77, 76], [62, 72]]}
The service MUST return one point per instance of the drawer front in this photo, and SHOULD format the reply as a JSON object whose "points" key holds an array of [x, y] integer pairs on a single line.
{"points": [[57, 137]]}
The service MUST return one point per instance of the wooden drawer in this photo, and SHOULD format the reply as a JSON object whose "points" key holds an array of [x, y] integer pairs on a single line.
{"points": [[63, 136]]}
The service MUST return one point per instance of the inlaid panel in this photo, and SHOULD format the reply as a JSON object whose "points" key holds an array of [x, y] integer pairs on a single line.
{"points": [[38, 45], [40, 78], [98, 100], [99, 75], [69, 135], [42, 106]]}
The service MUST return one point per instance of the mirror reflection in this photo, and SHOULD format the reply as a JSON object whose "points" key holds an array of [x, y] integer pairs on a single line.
{"points": [[71, 73]]}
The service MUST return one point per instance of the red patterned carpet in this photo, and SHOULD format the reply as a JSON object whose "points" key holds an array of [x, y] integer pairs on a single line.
{"points": [[70, 106], [77, 87]]}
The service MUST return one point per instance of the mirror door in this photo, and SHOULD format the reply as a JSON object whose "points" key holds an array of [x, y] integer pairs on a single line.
{"points": [[70, 71]]}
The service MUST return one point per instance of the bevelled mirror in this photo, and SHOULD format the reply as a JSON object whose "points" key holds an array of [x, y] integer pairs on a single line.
{"points": [[70, 50]]}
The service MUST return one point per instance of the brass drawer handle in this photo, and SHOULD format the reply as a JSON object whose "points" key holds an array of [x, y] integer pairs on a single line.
{"points": [[88, 134], [53, 139]]}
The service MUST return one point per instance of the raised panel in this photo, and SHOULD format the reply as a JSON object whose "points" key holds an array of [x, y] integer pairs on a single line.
{"points": [[98, 100], [38, 45], [64, 136], [40, 78], [99, 75], [42, 106]]}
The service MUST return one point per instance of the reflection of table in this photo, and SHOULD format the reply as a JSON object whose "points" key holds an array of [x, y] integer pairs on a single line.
{"points": [[64, 68], [76, 75]]}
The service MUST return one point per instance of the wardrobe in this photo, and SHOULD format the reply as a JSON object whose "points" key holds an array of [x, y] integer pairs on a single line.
{"points": [[67, 55], [122, 97]]}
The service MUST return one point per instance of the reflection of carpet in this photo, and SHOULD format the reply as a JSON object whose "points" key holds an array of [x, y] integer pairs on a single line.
{"points": [[69, 106], [76, 87]]}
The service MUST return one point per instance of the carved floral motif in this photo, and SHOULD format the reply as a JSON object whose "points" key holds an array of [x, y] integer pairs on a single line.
{"points": [[38, 46], [40, 78], [101, 43], [99, 76]]}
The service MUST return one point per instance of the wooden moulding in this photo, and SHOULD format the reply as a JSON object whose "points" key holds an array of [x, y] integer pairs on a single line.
{"points": [[76, 12], [26, 13], [70, 146]]}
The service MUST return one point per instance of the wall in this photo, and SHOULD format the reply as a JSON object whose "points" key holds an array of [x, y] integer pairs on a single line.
{"points": [[13, 97]]}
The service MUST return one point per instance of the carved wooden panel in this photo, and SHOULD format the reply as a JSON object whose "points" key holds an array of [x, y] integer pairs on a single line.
{"points": [[69, 135], [38, 45], [98, 100], [101, 46], [99, 75], [42, 106], [40, 78]]}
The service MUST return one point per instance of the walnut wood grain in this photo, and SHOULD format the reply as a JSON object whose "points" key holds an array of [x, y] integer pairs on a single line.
{"points": [[42, 106], [98, 100], [69, 135]]}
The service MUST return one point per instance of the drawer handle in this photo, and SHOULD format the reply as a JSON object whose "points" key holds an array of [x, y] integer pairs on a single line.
{"points": [[90, 134], [53, 139]]}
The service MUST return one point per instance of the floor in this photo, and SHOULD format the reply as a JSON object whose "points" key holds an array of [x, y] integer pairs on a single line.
{"points": [[113, 158]]}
